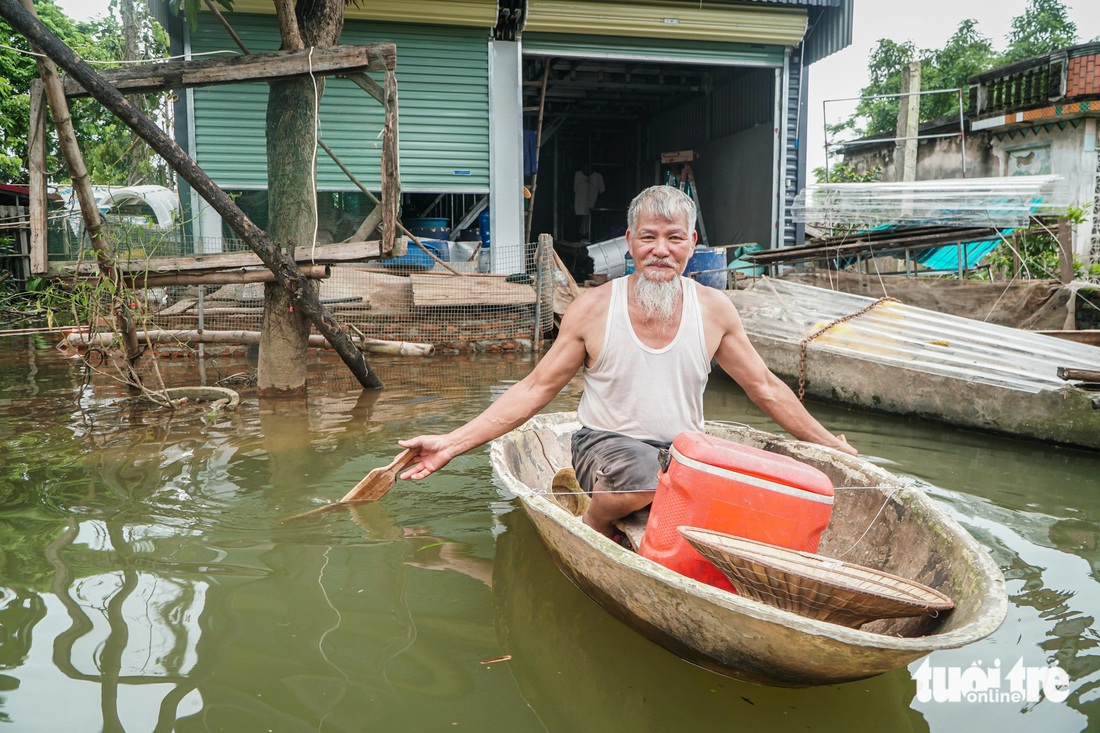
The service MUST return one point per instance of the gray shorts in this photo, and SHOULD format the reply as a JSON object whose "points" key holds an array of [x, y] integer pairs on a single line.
{"points": [[615, 462]]}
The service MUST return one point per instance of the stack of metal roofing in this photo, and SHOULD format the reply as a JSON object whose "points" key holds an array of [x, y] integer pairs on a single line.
{"points": [[906, 337], [998, 202]]}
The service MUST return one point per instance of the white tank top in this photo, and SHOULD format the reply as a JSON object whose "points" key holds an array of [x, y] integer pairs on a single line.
{"points": [[649, 394]]}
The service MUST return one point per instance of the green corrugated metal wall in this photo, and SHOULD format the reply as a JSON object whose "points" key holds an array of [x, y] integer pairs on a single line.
{"points": [[443, 96]]}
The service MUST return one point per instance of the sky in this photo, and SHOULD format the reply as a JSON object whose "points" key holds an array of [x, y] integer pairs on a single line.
{"points": [[928, 24]]}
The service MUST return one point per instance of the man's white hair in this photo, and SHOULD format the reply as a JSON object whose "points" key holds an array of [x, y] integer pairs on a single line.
{"points": [[663, 201]]}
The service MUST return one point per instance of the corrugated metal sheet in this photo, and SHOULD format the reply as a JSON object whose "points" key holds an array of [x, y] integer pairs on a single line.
{"points": [[733, 24], [478, 13], [442, 78], [651, 49], [794, 101], [908, 338], [830, 31]]}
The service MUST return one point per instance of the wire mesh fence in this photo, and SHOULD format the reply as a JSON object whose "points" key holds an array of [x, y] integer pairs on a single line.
{"points": [[411, 299]]}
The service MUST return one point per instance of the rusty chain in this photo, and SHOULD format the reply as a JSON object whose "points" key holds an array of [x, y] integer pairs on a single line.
{"points": [[806, 341]]}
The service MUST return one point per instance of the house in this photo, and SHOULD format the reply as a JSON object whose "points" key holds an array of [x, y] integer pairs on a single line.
{"points": [[1035, 117], [611, 86]]}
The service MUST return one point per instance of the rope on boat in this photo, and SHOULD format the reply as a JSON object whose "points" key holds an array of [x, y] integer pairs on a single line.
{"points": [[893, 488], [806, 341]]}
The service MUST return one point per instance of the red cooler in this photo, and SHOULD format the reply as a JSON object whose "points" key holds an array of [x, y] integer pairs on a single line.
{"points": [[728, 487]]}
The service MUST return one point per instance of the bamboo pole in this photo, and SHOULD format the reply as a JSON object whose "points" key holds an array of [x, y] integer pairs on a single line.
{"points": [[391, 176], [225, 24], [376, 346], [229, 277], [367, 192], [36, 167], [287, 272], [82, 187]]}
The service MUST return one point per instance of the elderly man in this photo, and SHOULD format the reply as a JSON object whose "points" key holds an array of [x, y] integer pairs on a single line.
{"points": [[646, 343]]}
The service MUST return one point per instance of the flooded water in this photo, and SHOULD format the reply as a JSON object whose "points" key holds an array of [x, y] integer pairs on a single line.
{"points": [[149, 584]]}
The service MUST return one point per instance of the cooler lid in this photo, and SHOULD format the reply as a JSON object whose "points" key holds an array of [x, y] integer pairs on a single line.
{"points": [[724, 456]]}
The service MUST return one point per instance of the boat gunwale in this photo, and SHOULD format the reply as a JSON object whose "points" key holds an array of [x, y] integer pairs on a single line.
{"points": [[981, 627]]}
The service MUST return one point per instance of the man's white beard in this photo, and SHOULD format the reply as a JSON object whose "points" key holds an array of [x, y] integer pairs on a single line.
{"points": [[658, 300]]}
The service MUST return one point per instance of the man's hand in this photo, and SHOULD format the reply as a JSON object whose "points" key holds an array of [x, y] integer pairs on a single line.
{"points": [[436, 451], [843, 446]]}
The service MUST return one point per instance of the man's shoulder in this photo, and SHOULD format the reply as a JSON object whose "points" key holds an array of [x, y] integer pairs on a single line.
{"points": [[712, 297], [589, 307], [597, 297]]}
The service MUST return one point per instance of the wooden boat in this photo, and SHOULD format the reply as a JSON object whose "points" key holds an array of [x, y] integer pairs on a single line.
{"points": [[892, 357], [878, 521]]}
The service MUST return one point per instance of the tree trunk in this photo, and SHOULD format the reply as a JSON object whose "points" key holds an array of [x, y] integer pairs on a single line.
{"points": [[292, 200], [82, 187], [277, 261]]}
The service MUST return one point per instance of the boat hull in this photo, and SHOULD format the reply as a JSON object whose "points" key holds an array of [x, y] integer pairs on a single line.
{"points": [[895, 358], [736, 636]]}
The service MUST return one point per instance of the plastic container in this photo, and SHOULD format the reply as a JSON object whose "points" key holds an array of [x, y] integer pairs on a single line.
{"points": [[708, 258], [429, 227], [415, 259], [483, 228], [746, 268], [608, 257], [629, 263], [728, 487]]}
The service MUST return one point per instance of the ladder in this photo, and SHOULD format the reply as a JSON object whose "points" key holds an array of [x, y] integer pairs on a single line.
{"points": [[681, 176]]}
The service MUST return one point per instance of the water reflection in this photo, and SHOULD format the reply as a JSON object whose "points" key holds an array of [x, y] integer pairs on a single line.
{"points": [[582, 670], [148, 582]]}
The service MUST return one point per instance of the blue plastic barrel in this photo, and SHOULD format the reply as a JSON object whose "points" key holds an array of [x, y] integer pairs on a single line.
{"points": [[708, 258], [483, 228], [415, 259], [430, 227]]}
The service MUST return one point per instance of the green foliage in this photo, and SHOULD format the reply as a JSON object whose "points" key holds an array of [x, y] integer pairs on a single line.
{"points": [[104, 140], [1037, 254], [847, 173], [966, 53], [1043, 27]]}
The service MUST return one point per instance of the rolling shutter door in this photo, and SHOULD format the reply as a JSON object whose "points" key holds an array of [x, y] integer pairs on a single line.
{"points": [[780, 26]]}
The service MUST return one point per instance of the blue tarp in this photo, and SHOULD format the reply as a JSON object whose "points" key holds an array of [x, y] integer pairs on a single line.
{"points": [[947, 257]]}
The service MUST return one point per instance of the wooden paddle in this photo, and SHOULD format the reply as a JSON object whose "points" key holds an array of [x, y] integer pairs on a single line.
{"points": [[373, 487]]}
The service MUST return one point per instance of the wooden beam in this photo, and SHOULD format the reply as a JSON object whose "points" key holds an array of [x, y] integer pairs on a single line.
{"points": [[391, 177], [36, 165], [153, 78], [222, 277], [368, 85], [321, 254], [1085, 375], [1065, 250], [378, 346]]}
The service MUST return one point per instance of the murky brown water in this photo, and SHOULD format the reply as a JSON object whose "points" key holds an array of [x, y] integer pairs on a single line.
{"points": [[149, 584]]}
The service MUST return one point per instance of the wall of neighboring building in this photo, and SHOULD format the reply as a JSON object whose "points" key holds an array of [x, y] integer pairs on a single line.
{"points": [[1056, 149], [936, 159]]}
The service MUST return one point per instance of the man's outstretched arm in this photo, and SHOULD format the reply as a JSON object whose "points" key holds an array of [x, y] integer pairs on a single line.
{"points": [[517, 405], [741, 361]]}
